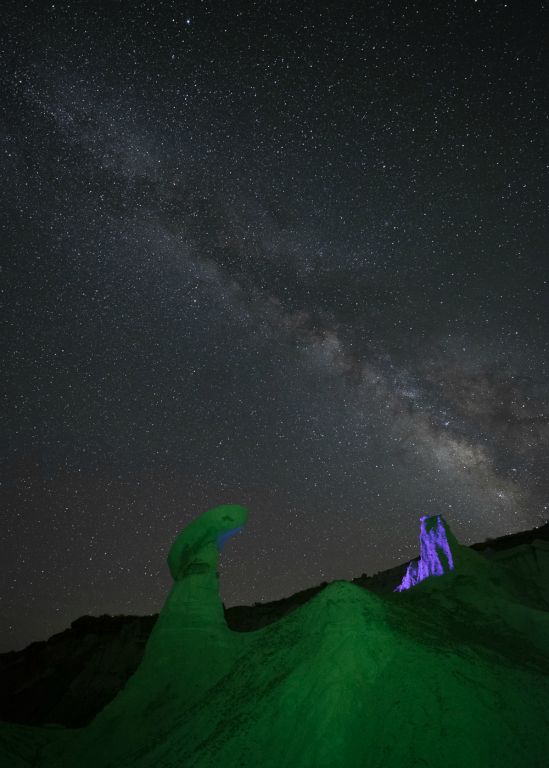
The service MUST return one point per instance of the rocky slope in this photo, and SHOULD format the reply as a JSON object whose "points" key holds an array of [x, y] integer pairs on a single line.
{"points": [[70, 678]]}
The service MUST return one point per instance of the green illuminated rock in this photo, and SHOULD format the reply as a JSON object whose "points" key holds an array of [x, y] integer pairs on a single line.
{"points": [[191, 639], [452, 672], [190, 649]]}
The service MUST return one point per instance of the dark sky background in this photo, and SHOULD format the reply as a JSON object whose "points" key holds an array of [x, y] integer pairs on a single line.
{"points": [[292, 256]]}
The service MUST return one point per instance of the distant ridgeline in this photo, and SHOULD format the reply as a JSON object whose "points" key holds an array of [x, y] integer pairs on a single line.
{"points": [[382, 671]]}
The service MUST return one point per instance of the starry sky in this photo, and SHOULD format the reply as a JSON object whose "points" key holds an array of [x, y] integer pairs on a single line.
{"points": [[286, 255]]}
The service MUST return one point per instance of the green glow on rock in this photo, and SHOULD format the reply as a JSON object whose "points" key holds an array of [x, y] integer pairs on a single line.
{"points": [[452, 673]]}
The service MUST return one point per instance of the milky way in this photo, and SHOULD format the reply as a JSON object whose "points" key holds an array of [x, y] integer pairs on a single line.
{"points": [[291, 258]]}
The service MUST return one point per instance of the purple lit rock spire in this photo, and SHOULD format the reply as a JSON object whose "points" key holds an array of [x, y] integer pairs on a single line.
{"points": [[435, 553]]}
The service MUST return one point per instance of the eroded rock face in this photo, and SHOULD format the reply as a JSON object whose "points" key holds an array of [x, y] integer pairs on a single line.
{"points": [[69, 678], [438, 550]]}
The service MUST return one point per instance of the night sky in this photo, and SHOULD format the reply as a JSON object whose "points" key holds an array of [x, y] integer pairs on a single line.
{"points": [[291, 256]]}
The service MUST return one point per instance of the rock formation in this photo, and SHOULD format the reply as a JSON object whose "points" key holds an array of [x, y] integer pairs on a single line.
{"points": [[436, 543], [453, 671]]}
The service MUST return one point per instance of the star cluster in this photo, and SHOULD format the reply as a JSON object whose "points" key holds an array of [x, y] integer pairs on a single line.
{"points": [[292, 256]]}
